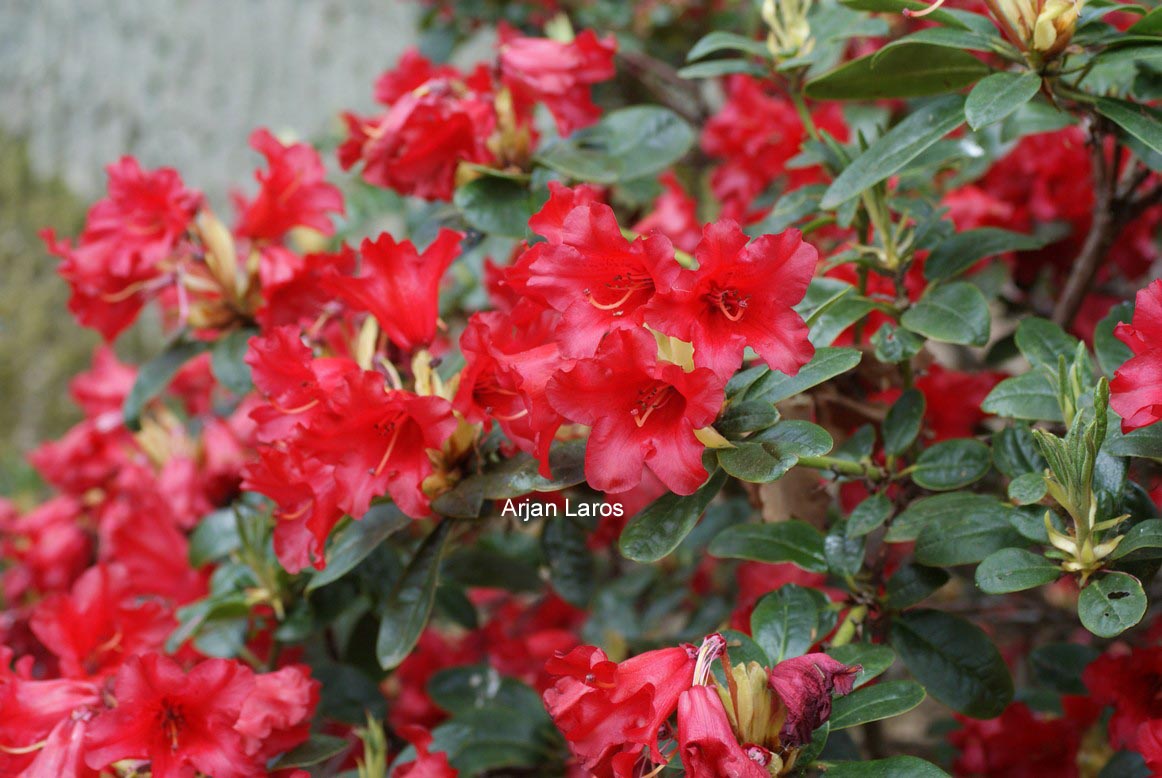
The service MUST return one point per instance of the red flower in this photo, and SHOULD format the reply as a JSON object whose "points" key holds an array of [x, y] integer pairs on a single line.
{"points": [[400, 286], [115, 263], [433, 126], [292, 193], [643, 413], [1136, 391], [805, 685], [1150, 744], [557, 74], [1130, 683], [740, 295], [589, 271], [708, 745], [100, 623], [504, 379], [608, 710], [675, 215], [276, 715], [1021, 744], [180, 722], [426, 764]]}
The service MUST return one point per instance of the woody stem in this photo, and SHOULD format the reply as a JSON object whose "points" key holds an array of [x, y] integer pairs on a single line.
{"points": [[844, 467]]}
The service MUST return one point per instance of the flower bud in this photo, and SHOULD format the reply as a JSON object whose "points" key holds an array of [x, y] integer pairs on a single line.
{"points": [[790, 33]]}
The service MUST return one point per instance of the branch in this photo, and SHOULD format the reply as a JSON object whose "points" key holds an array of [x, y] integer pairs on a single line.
{"points": [[676, 92]]}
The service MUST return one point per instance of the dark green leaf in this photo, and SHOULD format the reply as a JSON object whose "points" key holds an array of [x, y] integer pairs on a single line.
{"points": [[1028, 489], [215, 537], [713, 68], [154, 376], [952, 464], [757, 463], [1111, 352], [1060, 665], [1145, 534], [1027, 396], [869, 515], [1014, 570], [319, 748], [496, 205], [873, 703], [406, 611], [844, 552], [899, 145], [942, 509], [955, 661], [1143, 442], [948, 37], [998, 95], [358, 539], [872, 658], [902, 424], [746, 416], [658, 529], [913, 584], [893, 344], [1042, 342], [954, 313], [1139, 121], [916, 70], [227, 360], [785, 541], [958, 253], [571, 564], [720, 40], [785, 623], [893, 767], [827, 363], [942, 15], [965, 538], [1111, 604], [798, 437]]}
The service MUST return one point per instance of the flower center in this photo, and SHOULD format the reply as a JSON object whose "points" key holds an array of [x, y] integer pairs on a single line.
{"points": [[390, 430], [731, 302], [171, 724], [649, 399], [617, 291]]}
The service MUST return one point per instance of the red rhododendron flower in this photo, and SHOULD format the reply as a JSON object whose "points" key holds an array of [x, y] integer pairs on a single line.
{"points": [[1150, 744], [433, 126], [1129, 682], [426, 764], [1136, 391], [805, 685], [608, 710], [557, 74], [400, 286], [740, 295], [643, 413], [180, 722], [292, 193], [707, 743], [276, 715], [1021, 744]]}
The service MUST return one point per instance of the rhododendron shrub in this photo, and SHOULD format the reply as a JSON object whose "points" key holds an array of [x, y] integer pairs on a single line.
{"points": [[744, 389]]}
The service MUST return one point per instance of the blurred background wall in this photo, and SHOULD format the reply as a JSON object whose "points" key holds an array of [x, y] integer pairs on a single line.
{"points": [[173, 82]]}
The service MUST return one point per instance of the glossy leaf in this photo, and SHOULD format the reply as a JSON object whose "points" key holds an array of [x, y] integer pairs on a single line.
{"points": [[408, 606], [954, 313], [952, 464], [1014, 570], [791, 541], [874, 703], [1111, 604], [917, 70], [658, 529], [999, 95]]}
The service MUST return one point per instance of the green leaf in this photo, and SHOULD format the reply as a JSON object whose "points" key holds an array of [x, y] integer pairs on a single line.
{"points": [[798, 437], [1060, 666], [845, 553], [1042, 342], [954, 313], [955, 661], [520, 474], [746, 416], [757, 463], [215, 537], [942, 15], [408, 606], [496, 205], [571, 564], [1111, 604], [958, 253], [154, 376], [893, 767], [898, 146], [941, 509], [965, 539], [874, 703], [1143, 442], [356, 541], [916, 70], [658, 529], [319, 748], [1028, 489], [827, 363], [1144, 534], [628, 143], [1150, 24], [999, 95], [785, 623], [791, 541], [948, 37], [873, 659], [713, 68], [894, 345], [868, 515], [1111, 352], [1139, 121], [952, 464], [227, 360], [469, 687], [1028, 396], [902, 424], [1014, 570], [913, 584], [720, 40]]}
